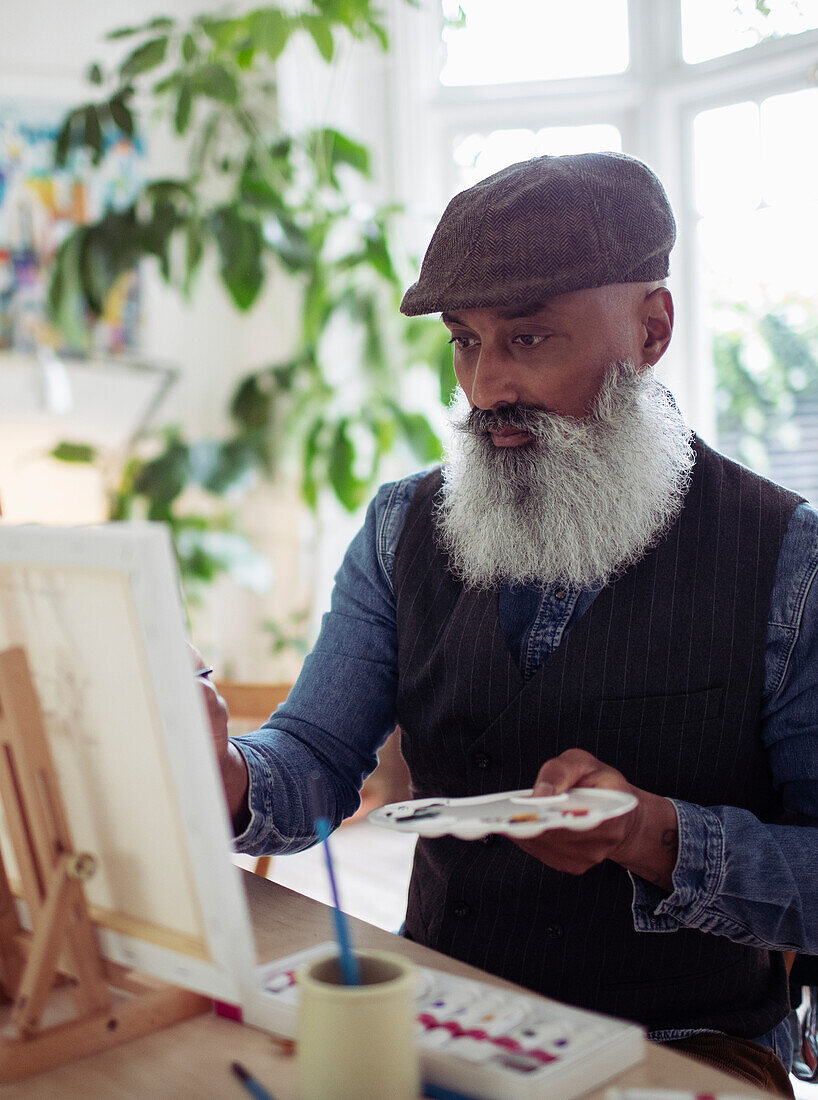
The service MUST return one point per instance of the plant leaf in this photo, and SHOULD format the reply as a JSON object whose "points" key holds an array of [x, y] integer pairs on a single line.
{"points": [[204, 553], [184, 104], [157, 233], [289, 242], [144, 57], [189, 50], [95, 74], [222, 32], [269, 30], [420, 436], [319, 28], [240, 245], [376, 253], [448, 379], [256, 187], [93, 133], [74, 452], [309, 481], [379, 32], [215, 81], [122, 32], [329, 148], [350, 490], [65, 295], [164, 478], [167, 83], [252, 402], [384, 432], [110, 247], [98, 271], [63, 142], [194, 250], [122, 114], [346, 151], [168, 189], [233, 465]]}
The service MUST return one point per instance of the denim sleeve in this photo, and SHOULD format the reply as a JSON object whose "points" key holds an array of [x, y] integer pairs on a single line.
{"points": [[736, 876], [342, 706]]}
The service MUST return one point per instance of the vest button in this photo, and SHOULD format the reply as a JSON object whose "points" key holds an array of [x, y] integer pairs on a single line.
{"points": [[560, 594], [461, 911], [481, 760], [553, 931]]}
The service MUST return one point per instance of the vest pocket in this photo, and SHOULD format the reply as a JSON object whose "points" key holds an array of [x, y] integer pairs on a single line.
{"points": [[687, 708]]}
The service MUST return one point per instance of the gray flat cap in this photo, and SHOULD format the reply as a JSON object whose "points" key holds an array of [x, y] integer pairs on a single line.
{"points": [[545, 227]]}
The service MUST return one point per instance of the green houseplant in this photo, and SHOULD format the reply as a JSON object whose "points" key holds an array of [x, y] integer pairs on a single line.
{"points": [[259, 196]]}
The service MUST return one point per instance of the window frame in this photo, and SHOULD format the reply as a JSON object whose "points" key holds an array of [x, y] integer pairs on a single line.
{"points": [[653, 104]]}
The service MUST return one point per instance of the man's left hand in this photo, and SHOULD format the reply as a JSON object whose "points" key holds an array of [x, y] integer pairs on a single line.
{"points": [[644, 841]]}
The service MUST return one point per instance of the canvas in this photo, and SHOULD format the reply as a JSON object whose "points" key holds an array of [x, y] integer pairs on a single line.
{"points": [[97, 610]]}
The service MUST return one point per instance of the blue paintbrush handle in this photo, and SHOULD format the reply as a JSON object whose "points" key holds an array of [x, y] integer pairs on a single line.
{"points": [[350, 969], [437, 1092], [251, 1084]]}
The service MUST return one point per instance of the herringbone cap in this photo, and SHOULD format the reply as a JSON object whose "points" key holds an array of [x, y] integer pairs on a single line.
{"points": [[545, 227]]}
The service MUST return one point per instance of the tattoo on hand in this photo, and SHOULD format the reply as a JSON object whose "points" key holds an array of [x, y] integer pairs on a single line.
{"points": [[670, 839]]}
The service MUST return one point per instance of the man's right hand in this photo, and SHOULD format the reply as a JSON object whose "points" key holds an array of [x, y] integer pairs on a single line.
{"points": [[231, 761]]}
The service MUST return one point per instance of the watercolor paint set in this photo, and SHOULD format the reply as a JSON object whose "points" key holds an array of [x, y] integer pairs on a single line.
{"points": [[488, 1042], [514, 813]]}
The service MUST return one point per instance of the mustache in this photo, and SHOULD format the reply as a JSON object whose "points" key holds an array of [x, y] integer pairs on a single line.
{"points": [[521, 417]]}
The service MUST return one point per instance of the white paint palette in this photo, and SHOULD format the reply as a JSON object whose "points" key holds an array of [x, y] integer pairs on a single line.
{"points": [[514, 813]]}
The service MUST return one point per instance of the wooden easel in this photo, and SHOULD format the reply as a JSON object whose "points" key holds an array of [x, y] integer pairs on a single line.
{"points": [[62, 948]]}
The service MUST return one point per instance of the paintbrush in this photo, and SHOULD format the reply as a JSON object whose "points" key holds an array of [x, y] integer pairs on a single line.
{"points": [[350, 969]]}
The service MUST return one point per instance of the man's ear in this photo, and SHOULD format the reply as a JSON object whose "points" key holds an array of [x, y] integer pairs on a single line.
{"points": [[657, 325]]}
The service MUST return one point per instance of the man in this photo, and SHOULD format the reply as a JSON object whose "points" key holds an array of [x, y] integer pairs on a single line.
{"points": [[586, 595]]}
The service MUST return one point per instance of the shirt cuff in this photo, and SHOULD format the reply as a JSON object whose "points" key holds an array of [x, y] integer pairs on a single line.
{"points": [[697, 876], [259, 799]]}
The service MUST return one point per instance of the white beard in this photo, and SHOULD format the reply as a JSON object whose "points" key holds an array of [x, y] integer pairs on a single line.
{"points": [[580, 503]]}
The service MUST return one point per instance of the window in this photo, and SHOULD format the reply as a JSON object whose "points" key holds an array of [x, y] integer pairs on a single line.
{"points": [[757, 243], [478, 155], [712, 28], [715, 95], [489, 43]]}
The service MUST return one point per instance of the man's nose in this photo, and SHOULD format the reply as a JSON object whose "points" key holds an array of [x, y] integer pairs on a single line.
{"points": [[493, 383]]}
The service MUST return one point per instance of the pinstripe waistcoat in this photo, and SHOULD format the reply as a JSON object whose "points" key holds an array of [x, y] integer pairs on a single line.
{"points": [[662, 679]]}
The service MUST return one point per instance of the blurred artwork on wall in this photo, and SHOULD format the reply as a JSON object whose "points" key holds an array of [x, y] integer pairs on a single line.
{"points": [[39, 205]]}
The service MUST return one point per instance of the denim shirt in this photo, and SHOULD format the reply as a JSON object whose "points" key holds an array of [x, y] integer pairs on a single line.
{"points": [[734, 876]]}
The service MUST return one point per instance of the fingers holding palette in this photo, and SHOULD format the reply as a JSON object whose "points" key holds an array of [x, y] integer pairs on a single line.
{"points": [[515, 813]]}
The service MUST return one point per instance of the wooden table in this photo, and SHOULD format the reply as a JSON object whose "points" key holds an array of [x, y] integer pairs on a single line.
{"points": [[191, 1061]]}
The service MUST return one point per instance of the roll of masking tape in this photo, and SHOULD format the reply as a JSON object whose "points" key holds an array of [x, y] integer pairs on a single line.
{"points": [[357, 1042]]}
